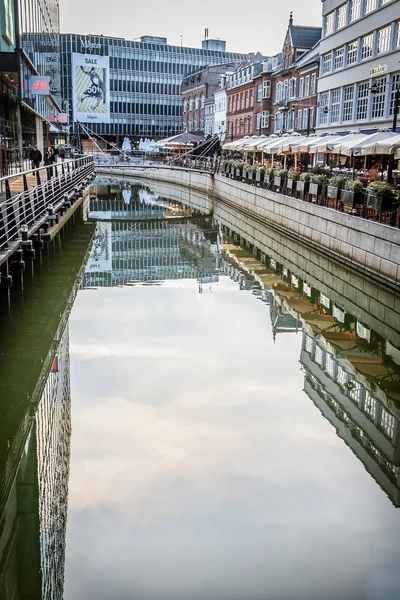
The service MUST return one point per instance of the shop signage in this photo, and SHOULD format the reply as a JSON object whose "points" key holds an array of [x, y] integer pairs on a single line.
{"points": [[40, 86], [86, 45], [379, 70]]}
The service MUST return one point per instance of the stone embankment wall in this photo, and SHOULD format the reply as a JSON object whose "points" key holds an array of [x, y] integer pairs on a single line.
{"points": [[370, 247]]}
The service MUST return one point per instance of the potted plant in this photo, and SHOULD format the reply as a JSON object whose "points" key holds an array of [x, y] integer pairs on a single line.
{"points": [[352, 195], [316, 183], [378, 197], [280, 177], [249, 173], [335, 184], [302, 184], [293, 177], [260, 175]]}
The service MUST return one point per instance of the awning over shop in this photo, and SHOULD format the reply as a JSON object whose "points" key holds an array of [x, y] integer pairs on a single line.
{"points": [[182, 140], [382, 142], [345, 145], [325, 144]]}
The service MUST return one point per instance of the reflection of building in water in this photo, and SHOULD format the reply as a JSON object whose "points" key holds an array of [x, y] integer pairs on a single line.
{"points": [[363, 415], [282, 321], [33, 515]]}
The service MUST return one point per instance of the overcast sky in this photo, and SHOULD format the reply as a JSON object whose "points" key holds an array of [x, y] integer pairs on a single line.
{"points": [[261, 28]]}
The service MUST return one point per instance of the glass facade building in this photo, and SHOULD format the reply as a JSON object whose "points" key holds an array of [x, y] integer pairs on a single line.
{"points": [[143, 80]]}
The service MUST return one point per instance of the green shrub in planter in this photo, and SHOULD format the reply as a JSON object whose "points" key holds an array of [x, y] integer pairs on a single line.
{"points": [[294, 174], [337, 182], [282, 173], [319, 179], [380, 189], [306, 177], [354, 185]]}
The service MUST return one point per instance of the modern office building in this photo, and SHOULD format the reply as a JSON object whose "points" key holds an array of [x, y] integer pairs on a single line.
{"points": [[118, 87], [30, 88], [359, 72]]}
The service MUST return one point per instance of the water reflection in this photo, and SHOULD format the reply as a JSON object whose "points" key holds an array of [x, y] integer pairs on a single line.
{"points": [[35, 421], [211, 472]]}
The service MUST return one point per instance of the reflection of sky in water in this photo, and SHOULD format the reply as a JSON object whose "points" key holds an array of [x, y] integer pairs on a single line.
{"points": [[200, 469]]}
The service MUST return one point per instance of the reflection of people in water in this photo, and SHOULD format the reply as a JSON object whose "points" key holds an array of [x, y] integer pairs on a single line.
{"points": [[96, 90], [99, 247]]}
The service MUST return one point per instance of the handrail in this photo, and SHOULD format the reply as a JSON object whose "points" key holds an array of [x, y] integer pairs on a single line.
{"points": [[56, 164]]}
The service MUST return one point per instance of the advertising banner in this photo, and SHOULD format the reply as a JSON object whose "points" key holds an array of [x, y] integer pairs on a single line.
{"points": [[100, 258], [91, 88]]}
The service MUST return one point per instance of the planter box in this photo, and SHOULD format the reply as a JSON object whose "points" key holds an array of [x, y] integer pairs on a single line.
{"points": [[302, 188], [332, 192], [315, 189], [350, 200], [238, 173], [291, 186], [260, 177], [278, 183]]}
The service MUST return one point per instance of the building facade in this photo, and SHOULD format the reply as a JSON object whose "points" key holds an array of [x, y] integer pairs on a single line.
{"points": [[138, 83], [263, 94], [240, 99], [197, 88], [209, 115], [220, 104], [30, 89], [295, 83], [359, 72]]}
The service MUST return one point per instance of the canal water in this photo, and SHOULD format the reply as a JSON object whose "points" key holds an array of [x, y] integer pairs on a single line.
{"points": [[193, 410]]}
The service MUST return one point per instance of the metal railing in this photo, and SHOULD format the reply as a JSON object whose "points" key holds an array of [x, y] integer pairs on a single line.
{"points": [[23, 212]]}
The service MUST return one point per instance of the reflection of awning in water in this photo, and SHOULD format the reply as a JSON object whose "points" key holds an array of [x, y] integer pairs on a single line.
{"points": [[208, 279], [127, 195]]}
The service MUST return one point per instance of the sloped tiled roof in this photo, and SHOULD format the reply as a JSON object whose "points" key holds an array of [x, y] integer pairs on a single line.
{"points": [[305, 37]]}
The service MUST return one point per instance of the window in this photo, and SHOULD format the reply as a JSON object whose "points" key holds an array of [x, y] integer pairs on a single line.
{"points": [[313, 83], [387, 423], [366, 46], [265, 118], [370, 405], [338, 60], [341, 16], [292, 88], [266, 89], [383, 38], [290, 120], [370, 5], [259, 92], [311, 118], [323, 103], [184, 105], [190, 104], [355, 10], [258, 122], [305, 118], [348, 102], [279, 89], [326, 67], [202, 100], [362, 101], [246, 100], [301, 89], [307, 86], [335, 106], [196, 103], [329, 23], [395, 83], [398, 35], [299, 119], [352, 52], [378, 99]]}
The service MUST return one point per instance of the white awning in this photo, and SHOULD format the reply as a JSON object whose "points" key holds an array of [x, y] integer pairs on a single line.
{"points": [[383, 142], [345, 145], [304, 145], [325, 145]]}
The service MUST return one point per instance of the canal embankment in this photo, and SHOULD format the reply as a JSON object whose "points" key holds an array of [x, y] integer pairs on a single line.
{"points": [[369, 247]]}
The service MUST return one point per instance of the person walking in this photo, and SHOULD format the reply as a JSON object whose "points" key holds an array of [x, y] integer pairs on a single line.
{"points": [[49, 160], [36, 157], [55, 152], [62, 153]]}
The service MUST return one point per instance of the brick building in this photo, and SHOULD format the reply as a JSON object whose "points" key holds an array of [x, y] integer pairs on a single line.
{"points": [[263, 94], [295, 83], [240, 99], [196, 89]]}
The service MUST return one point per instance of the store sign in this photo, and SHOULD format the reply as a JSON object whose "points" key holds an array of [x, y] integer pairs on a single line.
{"points": [[40, 86], [85, 45], [91, 88], [57, 117], [379, 70]]}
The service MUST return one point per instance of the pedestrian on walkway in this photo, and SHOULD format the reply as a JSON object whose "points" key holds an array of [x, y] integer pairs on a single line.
{"points": [[36, 157], [55, 153], [49, 160], [62, 153]]}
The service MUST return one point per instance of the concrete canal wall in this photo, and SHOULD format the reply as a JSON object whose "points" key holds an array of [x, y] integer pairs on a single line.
{"points": [[370, 247]]}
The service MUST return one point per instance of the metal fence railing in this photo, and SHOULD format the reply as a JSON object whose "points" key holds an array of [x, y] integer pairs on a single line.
{"points": [[31, 198]]}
